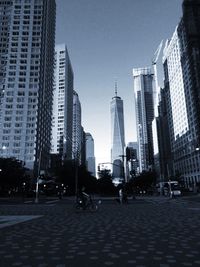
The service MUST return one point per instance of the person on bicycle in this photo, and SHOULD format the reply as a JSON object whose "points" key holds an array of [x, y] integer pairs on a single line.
{"points": [[84, 197]]}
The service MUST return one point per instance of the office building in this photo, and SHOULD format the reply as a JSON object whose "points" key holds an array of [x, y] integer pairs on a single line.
{"points": [[83, 147], [132, 159], [143, 91], [182, 75], [165, 154], [27, 33], [77, 128], [62, 104], [117, 136], [90, 158]]}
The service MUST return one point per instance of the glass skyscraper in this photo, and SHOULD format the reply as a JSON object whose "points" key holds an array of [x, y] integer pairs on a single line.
{"points": [[90, 157], [117, 136], [143, 88], [77, 128], [27, 33], [182, 82]]}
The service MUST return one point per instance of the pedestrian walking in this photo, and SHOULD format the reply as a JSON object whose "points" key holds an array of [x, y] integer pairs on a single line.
{"points": [[120, 195]]}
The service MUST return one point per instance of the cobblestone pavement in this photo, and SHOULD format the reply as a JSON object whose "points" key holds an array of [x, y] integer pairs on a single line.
{"points": [[146, 232]]}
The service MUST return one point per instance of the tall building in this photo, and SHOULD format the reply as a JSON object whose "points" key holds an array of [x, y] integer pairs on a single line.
{"points": [[143, 89], [27, 33], [83, 147], [165, 153], [62, 104], [132, 159], [77, 128], [182, 74], [90, 158], [156, 94], [117, 136]]}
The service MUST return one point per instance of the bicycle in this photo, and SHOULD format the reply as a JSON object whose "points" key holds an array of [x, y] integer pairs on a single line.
{"points": [[85, 202]]}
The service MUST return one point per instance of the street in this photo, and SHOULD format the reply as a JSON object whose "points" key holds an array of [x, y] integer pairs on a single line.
{"points": [[149, 231]]}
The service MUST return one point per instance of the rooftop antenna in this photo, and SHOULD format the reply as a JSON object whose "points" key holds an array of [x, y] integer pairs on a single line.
{"points": [[115, 87]]}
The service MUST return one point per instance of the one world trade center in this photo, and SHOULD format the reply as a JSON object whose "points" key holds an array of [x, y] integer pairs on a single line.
{"points": [[117, 135]]}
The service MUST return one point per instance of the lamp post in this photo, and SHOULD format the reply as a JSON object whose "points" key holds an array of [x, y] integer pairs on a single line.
{"points": [[76, 159], [76, 155], [37, 182], [123, 156]]}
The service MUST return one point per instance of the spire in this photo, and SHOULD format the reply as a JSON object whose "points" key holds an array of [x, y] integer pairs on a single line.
{"points": [[115, 87]]}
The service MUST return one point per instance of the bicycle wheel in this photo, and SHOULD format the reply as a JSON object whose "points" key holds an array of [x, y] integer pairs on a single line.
{"points": [[93, 207]]}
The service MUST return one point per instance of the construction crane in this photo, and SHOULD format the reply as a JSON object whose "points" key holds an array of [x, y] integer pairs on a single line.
{"points": [[157, 53], [156, 86]]}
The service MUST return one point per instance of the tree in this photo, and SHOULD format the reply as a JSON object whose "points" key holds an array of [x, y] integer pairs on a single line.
{"points": [[11, 173], [86, 179], [105, 184], [75, 177], [65, 174], [145, 180], [105, 173]]}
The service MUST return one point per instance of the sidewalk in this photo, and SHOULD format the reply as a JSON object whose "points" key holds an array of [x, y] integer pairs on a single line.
{"points": [[150, 235]]}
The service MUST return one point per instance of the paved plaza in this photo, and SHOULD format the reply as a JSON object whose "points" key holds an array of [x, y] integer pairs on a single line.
{"points": [[146, 232]]}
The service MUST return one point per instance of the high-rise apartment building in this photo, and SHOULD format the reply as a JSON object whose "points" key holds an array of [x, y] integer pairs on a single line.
{"points": [[77, 128], [182, 79], [117, 136], [62, 104], [143, 89], [27, 34], [90, 158]]}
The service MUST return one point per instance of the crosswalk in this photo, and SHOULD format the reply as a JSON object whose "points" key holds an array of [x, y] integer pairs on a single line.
{"points": [[179, 202], [47, 202], [160, 201], [8, 220]]}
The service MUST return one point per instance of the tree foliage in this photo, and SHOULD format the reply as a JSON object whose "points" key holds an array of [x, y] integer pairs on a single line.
{"points": [[145, 181], [72, 175], [11, 173], [105, 184]]}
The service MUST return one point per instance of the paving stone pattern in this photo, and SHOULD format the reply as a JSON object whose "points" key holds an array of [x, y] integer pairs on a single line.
{"points": [[142, 233]]}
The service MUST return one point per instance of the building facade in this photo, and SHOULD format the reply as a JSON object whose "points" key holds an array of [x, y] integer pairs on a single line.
{"points": [[143, 91], [83, 147], [182, 72], [164, 145], [90, 157], [27, 33], [77, 129], [62, 104], [117, 136], [132, 159]]}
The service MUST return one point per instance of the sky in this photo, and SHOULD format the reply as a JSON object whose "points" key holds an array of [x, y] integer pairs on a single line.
{"points": [[106, 39]]}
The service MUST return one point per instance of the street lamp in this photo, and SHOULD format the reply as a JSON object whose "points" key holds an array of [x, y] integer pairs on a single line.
{"points": [[123, 156], [37, 182]]}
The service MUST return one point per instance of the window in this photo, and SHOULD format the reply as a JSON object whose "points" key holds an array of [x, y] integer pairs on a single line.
{"points": [[21, 93], [20, 106], [18, 125], [7, 125]]}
